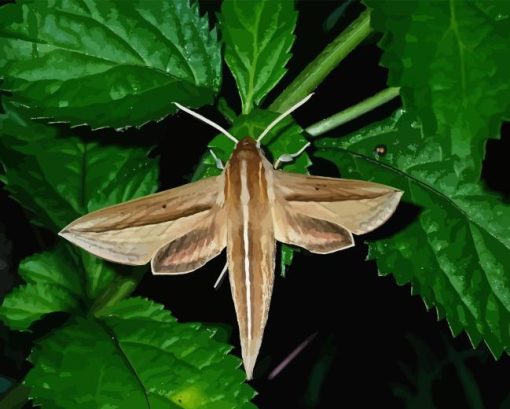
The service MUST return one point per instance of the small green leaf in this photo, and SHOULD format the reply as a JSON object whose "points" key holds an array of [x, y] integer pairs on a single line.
{"points": [[258, 37], [61, 178], [456, 252], [28, 303], [136, 356], [287, 255], [105, 62], [450, 59], [59, 280], [53, 284], [55, 268]]}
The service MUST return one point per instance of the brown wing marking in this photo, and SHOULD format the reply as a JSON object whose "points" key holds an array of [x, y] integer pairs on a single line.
{"points": [[193, 249], [131, 232], [315, 235], [356, 205]]}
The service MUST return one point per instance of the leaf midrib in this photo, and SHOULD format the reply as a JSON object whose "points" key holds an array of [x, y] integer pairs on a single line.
{"points": [[168, 41], [170, 79], [126, 43], [251, 71], [124, 357], [460, 45], [101, 58]]}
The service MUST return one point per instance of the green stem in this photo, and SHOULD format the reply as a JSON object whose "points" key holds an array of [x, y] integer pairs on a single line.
{"points": [[16, 397], [120, 288], [471, 390], [326, 61], [353, 112]]}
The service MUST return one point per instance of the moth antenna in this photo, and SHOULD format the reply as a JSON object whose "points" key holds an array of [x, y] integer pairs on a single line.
{"points": [[208, 121], [282, 116]]}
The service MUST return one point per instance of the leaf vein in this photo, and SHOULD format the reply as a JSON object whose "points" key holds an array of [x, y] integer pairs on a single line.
{"points": [[123, 41], [125, 358], [419, 182], [172, 45]]}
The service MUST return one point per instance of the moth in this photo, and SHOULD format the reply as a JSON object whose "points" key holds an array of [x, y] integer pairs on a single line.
{"points": [[246, 209]]}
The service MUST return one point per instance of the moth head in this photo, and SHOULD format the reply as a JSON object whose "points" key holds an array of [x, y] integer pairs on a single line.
{"points": [[248, 146], [247, 142]]}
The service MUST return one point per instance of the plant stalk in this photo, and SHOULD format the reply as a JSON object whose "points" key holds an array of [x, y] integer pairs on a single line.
{"points": [[352, 112], [16, 397], [326, 61], [121, 287]]}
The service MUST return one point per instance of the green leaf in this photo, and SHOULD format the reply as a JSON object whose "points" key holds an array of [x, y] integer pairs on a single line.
{"points": [[258, 37], [456, 251], [53, 284], [28, 303], [62, 280], [136, 356], [59, 178], [287, 255], [450, 59], [105, 62], [56, 268]]}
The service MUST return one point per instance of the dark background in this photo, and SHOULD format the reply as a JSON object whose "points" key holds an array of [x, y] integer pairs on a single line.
{"points": [[368, 329]]}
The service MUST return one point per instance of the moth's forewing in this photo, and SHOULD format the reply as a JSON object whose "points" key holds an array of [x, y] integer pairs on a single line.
{"points": [[356, 205], [131, 232]]}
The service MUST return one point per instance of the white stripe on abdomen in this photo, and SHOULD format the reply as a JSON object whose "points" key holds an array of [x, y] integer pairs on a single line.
{"points": [[245, 214]]}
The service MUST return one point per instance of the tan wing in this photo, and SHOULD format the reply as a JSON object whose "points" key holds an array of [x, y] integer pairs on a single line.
{"points": [[356, 205], [132, 232], [315, 235], [195, 248]]}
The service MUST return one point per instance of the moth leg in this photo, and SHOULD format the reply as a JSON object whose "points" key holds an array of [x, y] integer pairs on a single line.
{"points": [[221, 277], [289, 157], [219, 163]]}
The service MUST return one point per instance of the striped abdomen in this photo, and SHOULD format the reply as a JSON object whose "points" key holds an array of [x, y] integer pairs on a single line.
{"points": [[250, 245]]}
